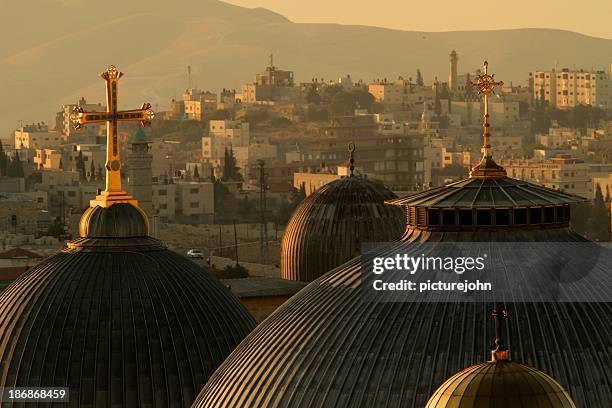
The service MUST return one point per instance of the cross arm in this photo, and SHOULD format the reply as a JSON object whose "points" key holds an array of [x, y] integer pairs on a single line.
{"points": [[144, 115]]}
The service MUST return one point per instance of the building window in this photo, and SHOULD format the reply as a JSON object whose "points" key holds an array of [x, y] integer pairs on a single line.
{"points": [[535, 215], [465, 217], [483, 217], [162, 192], [502, 217], [194, 205], [448, 217], [194, 190], [520, 216]]}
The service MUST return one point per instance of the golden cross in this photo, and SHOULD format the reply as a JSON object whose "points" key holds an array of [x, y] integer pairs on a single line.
{"points": [[112, 116], [486, 85]]}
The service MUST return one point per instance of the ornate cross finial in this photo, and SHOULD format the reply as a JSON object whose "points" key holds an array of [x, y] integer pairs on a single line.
{"points": [[351, 149], [499, 313], [487, 168], [486, 85], [113, 192]]}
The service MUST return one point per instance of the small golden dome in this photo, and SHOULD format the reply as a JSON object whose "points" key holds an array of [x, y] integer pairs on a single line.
{"points": [[501, 384]]}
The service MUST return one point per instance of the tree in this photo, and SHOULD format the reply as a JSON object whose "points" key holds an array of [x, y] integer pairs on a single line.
{"points": [[280, 122], [317, 114], [419, 78], [92, 170], [600, 219], [344, 103], [3, 161], [313, 97], [329, 92], [15, 168], [56, 229], [231, 172], [80, 166], [221, 114]]}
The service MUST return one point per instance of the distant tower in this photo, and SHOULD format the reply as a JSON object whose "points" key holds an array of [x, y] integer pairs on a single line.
{"points": [[452, 79], [140, 174]]}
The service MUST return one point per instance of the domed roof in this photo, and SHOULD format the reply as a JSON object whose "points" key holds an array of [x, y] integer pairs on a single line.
{"points": [[328, 346], [501, 384], [120, 321], [487, 192], [117, 220], [329, 226], [139, 135], [117, 317]]}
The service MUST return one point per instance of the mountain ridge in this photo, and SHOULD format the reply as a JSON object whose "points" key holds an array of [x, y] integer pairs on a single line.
{"points": [[226, 45]]}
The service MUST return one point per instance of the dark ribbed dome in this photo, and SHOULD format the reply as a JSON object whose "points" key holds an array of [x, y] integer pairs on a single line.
{"points": [[117, 220], [328, 228], [122, 321], [500, 384], [327, 346]]}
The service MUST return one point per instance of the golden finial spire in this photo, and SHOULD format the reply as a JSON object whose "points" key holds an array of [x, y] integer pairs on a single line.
{"points": [[351, 149], [487, 168], [501, 352], [113, 192]]}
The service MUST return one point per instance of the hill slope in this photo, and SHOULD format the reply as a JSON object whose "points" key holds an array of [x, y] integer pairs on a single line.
{"points": [[57, 46]]}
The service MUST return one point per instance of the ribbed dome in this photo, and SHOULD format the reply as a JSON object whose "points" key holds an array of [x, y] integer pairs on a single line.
{"points": [[122, 322], [500, 384], [117, 220], [328, 228], [326, 346]]}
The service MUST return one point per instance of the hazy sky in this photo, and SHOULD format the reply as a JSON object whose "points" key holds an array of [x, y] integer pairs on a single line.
{"points": [[591, 17]]}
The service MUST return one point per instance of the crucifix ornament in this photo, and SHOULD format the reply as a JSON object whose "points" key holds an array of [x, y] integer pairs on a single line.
{"points": [[113, 192], [487, 168], [486, 85]]}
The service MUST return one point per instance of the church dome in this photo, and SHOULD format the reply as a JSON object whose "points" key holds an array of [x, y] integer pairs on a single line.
{"points": [[329, 226], [117, 317], [500, 384], [329, 346], [118, 220], [121, 322]]}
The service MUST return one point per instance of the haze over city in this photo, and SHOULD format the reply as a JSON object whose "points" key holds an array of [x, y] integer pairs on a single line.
{"points": [[589, 17], [224, 44]]}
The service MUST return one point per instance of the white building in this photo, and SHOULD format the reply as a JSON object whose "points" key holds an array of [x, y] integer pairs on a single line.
{"points": [[67, 127], [557, 137], [37, 136], [224, 134], [567, 88], [199, 104], [246, 156], [195, 201]]}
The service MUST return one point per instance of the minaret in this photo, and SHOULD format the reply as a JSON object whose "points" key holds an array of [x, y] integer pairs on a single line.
{"points": [[452, 78], [140, 173]]}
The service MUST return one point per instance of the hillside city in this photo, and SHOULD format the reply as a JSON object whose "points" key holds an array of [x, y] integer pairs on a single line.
{"points": [[221, 172]]}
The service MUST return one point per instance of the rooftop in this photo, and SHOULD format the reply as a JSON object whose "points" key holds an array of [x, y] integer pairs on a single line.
{"points": [[257, 287]]}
